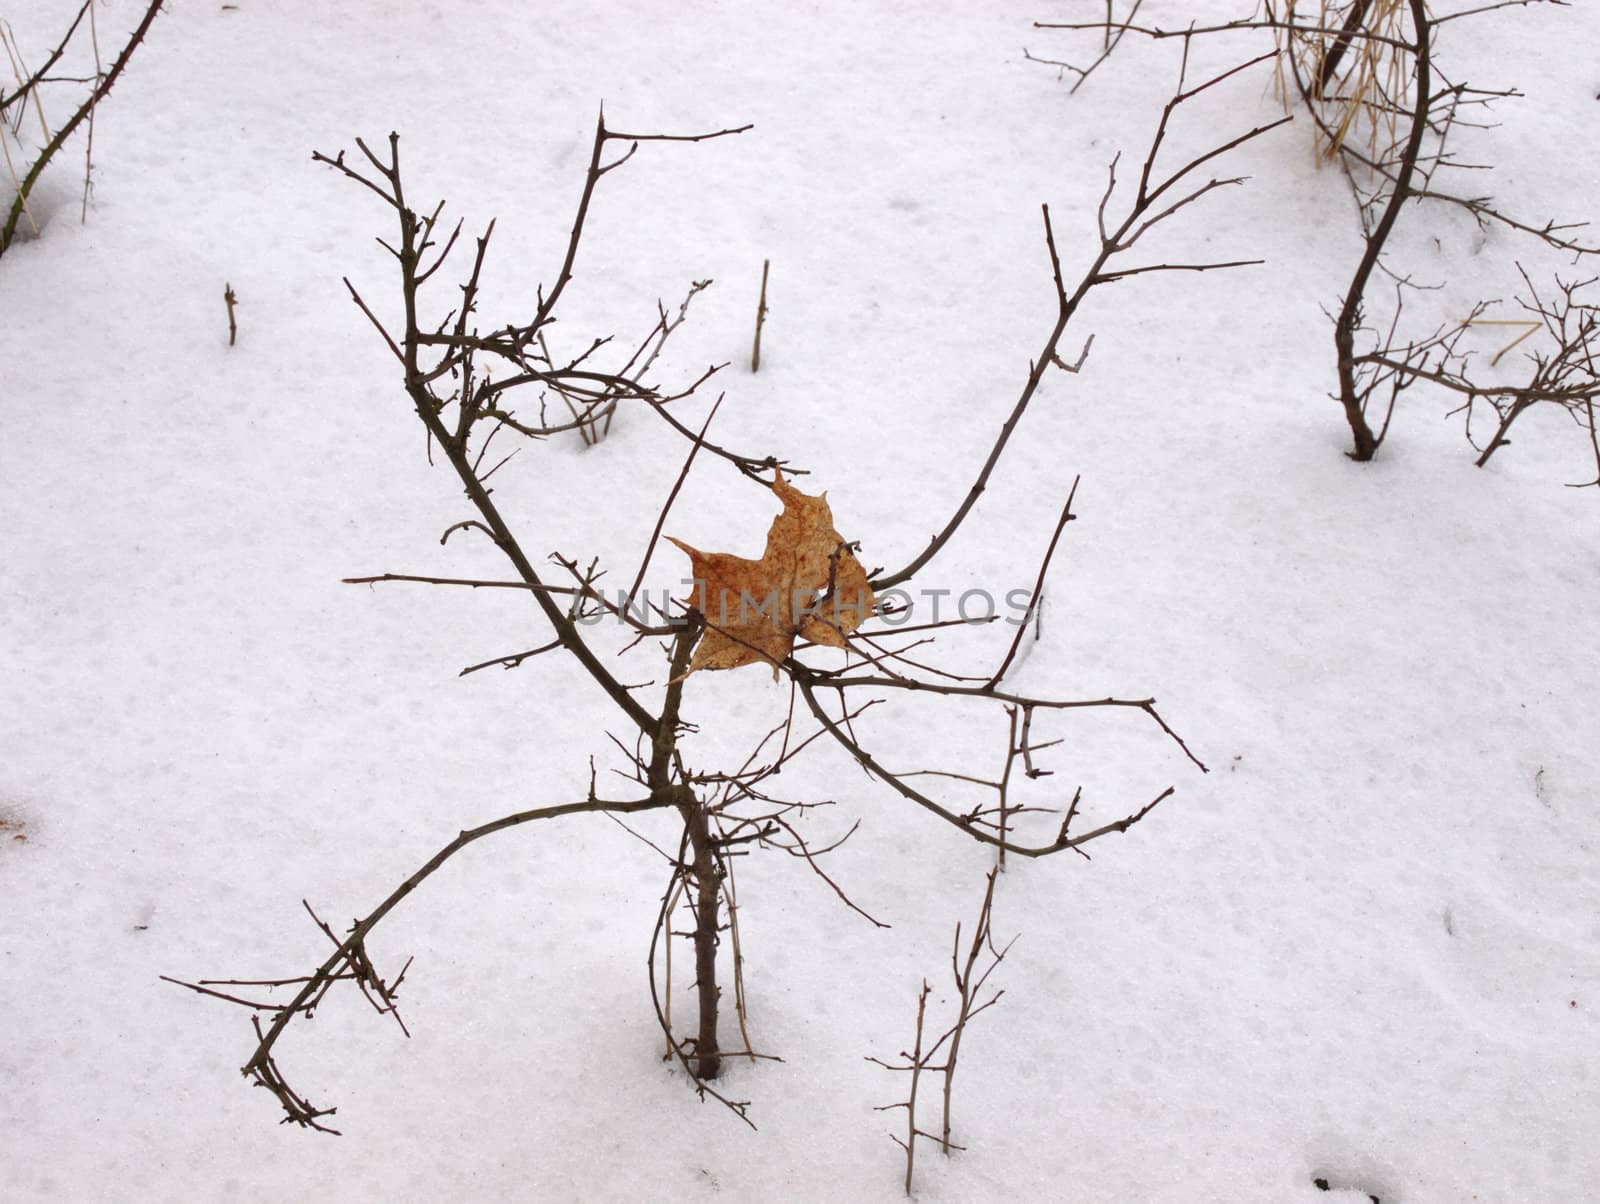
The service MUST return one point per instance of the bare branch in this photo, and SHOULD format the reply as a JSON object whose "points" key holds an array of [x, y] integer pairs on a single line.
{"points": [[349, 957]]}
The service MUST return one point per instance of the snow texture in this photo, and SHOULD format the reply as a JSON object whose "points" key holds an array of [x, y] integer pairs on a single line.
{"points": [[1363, 948]]}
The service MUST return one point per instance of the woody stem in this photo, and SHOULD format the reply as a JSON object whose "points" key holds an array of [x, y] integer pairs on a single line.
{"points": [[705, 864]]}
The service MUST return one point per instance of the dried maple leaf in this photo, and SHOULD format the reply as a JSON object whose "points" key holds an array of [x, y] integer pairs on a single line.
{"points": [[806, 584]]}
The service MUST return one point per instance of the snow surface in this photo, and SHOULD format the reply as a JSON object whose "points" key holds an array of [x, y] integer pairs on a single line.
{"points": [[1363, 948]]}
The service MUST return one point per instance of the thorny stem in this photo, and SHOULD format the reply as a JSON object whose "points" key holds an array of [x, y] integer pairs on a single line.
{"points": [[101, 90], [708, 888]]}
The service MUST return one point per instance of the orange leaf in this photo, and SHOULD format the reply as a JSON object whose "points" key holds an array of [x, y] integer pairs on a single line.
{"points": [[807, 584]]}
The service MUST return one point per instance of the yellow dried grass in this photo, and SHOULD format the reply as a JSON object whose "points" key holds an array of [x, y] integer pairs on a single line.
{"points": [[1364, 101]]}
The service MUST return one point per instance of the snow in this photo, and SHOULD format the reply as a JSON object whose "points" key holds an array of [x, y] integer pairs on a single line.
{"points": [[1362, 949]]}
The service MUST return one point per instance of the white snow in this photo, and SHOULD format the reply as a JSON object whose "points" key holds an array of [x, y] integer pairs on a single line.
{"points": [[1362, 949]]}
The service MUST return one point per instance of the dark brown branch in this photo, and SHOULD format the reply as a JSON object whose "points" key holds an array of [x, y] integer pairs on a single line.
{"points": [[1147, 705], [601, 136], [1187, 32], [761, 318], [1038, 586], [968, 985], [799, 848], [1341, 44], [672, 496], [101, 91], [1083, 73], [1345, 325], [966, 823], [512, 661], [1112, 277], [1112, 242], [349, 955], [35, 78], [922, 1057], [471, 583], [455, 449]]}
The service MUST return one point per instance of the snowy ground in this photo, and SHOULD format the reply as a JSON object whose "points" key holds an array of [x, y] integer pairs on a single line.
{"points": [[1363, 948]]}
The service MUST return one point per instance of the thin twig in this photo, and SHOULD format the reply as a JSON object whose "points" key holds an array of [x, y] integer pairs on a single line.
{"points": [[761, 317]]}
